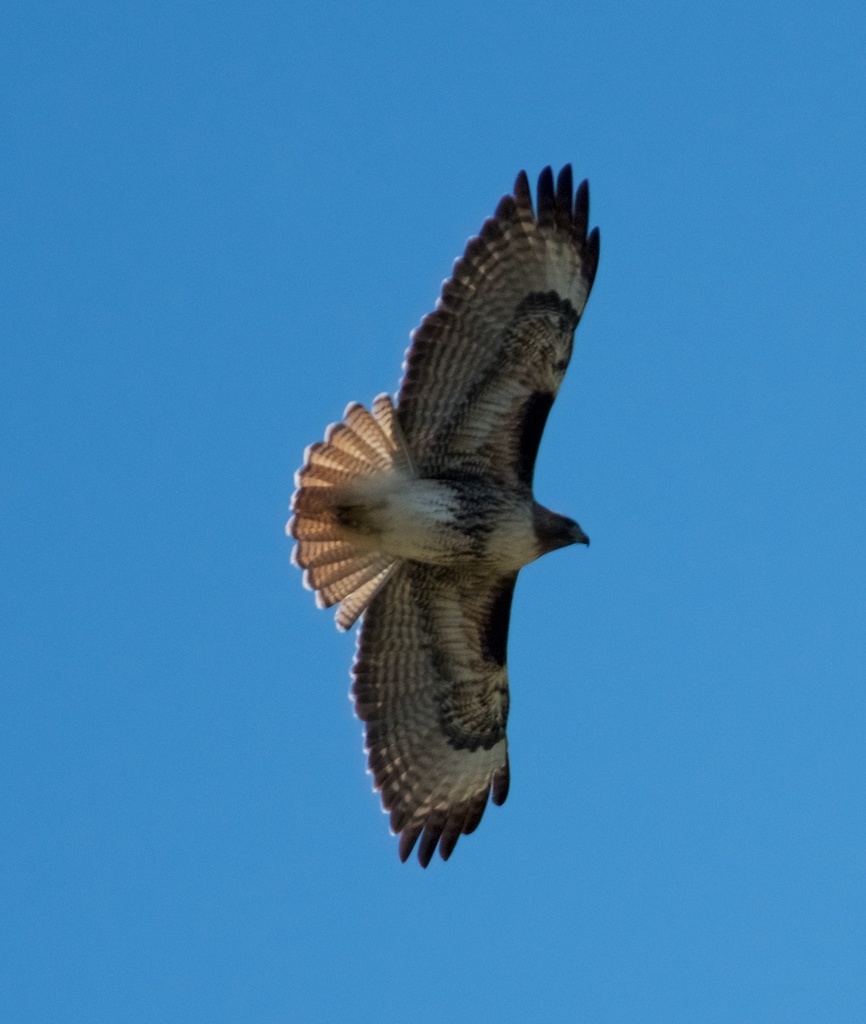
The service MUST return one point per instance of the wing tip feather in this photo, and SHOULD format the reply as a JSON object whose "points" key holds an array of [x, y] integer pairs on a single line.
{"points": [[564, 192], [501, 783], [408, 838], [591, 250], [522, 191], [546, 215]]}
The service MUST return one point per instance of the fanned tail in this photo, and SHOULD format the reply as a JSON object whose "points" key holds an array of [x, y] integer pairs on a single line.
{"points": [[340, 561]]}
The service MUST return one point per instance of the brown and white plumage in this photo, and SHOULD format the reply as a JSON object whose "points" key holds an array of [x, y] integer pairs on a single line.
{"points": [[420, 517]]}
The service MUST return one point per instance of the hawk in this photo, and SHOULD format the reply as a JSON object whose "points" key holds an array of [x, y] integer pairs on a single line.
{"points": [[420, 515]]}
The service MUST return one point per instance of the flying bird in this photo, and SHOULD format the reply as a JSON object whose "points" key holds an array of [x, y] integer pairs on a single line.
{"points": [[420, 515]]}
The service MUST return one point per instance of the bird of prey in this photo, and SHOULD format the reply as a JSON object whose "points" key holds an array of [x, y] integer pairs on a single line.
{"points": [[419, 515]]}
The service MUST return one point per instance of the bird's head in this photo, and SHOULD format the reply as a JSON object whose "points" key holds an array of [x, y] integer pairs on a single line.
{"points": [[555, 531]]}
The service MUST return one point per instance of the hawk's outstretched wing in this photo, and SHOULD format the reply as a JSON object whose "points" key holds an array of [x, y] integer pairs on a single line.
{"points": [[484, 368], [430, 682]]}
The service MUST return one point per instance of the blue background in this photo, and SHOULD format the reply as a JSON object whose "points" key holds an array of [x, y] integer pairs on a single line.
{"points": [[219, 223]]}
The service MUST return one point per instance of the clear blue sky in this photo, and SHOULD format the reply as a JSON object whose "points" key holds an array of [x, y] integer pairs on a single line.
{"points": [[220, 223]]}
